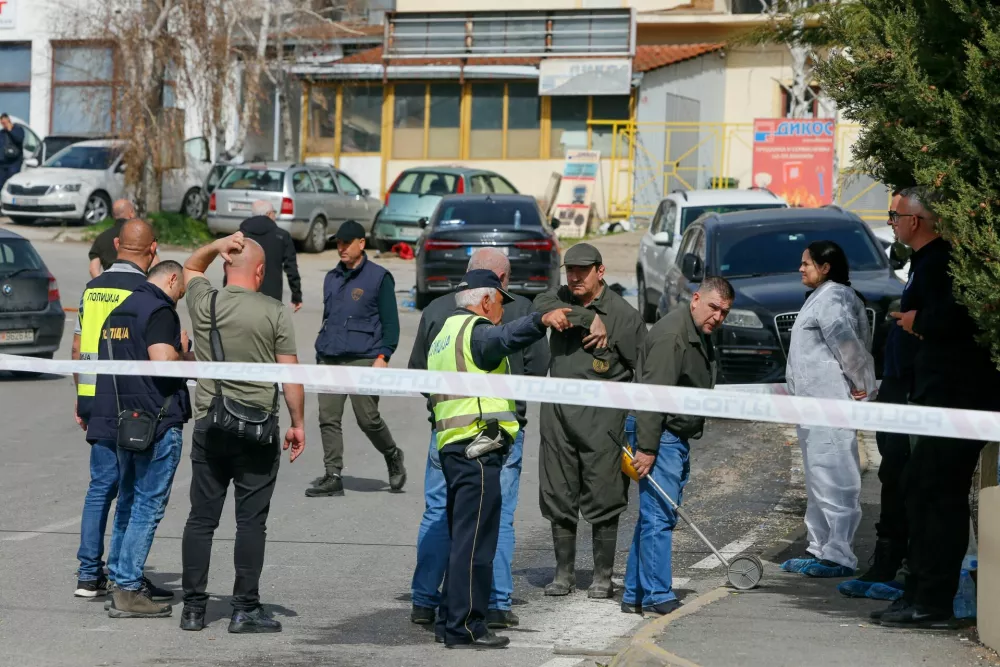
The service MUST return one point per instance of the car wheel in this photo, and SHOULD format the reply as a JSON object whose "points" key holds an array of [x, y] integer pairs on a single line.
{"points": [[315, 241], [423, 299], [97, 210], [194, 205], [647, 310]]}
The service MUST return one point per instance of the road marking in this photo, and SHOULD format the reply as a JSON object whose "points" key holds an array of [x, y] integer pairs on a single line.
{"points": [[575, 622], [557, 662], [728, 551]]}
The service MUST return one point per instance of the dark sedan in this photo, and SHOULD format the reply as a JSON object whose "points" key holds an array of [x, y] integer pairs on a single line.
{"points": [[461, 224], [31, 315], [759, 253]]}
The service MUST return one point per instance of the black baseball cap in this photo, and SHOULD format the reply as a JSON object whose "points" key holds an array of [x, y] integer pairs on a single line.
{"points": [[477, 278], [582, 254], [349, 231]]}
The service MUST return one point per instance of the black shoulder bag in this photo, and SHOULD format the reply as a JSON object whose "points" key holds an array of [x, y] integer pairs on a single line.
{"points": [[238, 420], [136, 428]]}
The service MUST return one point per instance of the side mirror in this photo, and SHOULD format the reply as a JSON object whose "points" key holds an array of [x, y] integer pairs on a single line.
{"points": [[663, 238], [899, 255], [120, 169], [422, 222], [692, 268], [555, 223], [365, 192], [31, 162]]}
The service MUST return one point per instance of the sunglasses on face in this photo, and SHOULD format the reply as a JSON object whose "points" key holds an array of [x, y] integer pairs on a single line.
{"points": [[894, 216]]}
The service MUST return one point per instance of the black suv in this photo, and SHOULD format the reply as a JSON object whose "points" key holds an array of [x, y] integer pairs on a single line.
{"points": [[759, 252]]}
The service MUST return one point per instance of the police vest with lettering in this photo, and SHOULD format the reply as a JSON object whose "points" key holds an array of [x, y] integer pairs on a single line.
{"points": [[459, 418], [101, 296], [351, 323], [125, 331]]}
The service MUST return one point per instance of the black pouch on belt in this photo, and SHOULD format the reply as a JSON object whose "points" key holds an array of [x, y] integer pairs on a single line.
{"points": [[136, 428]]}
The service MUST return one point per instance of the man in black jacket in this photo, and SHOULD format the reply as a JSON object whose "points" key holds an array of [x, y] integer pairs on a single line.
{"points": [[279, 253], [951, 370], [11, 148], [433, 542]]}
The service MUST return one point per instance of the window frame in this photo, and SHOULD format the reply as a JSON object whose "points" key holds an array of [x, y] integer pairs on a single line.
{"points": [[113, 84], [23, 86], [308, 177], [337, 175]]}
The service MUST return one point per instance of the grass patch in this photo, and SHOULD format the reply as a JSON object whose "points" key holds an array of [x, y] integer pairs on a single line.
{"points": [[171, 229]]}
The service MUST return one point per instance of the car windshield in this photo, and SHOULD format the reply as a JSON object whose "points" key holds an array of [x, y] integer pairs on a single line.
{"points": [[692, 213], [55, 144], [425, 183], [96, 158], [17, 255], [766, 250], [489, 213], [265, 180]]}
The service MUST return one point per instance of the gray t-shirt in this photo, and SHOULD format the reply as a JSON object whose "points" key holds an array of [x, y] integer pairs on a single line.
{"points": [[254, 328]]}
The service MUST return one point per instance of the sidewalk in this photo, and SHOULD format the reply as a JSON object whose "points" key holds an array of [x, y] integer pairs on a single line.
{"points": [[792, 620]]}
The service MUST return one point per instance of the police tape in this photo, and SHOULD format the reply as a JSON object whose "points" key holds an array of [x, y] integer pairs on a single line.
{"points": [[720, 403]]}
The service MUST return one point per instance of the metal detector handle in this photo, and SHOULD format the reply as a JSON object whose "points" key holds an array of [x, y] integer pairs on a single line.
{"points": [[681, 513]]}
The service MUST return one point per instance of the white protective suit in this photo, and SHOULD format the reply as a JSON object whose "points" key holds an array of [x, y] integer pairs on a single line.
{"points": [[828, 357]]}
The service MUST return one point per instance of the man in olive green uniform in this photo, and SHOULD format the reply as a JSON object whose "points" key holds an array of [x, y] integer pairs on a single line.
{"points": [[580, 464]]}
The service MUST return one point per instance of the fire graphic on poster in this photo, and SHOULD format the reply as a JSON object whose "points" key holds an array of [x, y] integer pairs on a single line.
{"points": [[793, 158]]}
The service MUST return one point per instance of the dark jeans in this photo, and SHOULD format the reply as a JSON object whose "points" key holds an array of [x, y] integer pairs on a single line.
{"points": [[101, 493], [215, 462], [894, 448], [474, 507], [936, 484]]}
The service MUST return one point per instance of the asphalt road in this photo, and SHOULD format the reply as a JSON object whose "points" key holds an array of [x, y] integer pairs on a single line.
{"points": [[338, 570]]}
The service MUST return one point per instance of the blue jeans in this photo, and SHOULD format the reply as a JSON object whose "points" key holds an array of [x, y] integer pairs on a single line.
{"points": [[147, 477], [648, 576], [101, 492], [434, 543]]}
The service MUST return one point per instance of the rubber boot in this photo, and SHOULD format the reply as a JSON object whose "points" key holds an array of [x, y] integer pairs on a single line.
{"points": [[564, 540], [605, 537]]}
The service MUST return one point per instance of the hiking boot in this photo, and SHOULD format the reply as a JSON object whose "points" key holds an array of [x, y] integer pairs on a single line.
{"points": [[422, 615], [192, 619], [329, 485], [605, 539], [564, 541], [397, 473], [91, 588], [136, 604], [253, 621], [501, 618], [885, 562], [112, 586]]}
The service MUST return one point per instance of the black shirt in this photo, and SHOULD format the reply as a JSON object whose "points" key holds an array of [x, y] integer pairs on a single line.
{"points": [[162, 327], [279, 254], [104, 244]]}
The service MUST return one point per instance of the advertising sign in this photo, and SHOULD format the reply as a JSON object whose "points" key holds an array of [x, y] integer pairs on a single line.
{"points": [[585, 76], [576, 192], [793, 158], [8, 14]]}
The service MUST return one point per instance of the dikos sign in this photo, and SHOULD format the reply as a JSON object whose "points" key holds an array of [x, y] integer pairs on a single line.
{"points": [[793, 158], [8, 14]]}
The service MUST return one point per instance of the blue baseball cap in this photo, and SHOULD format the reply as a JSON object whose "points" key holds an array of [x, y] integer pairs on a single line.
{"points": [[477, 278]]}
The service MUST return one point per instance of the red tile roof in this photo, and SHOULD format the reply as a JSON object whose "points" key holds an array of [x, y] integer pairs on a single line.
{"points": [[647, 57]]}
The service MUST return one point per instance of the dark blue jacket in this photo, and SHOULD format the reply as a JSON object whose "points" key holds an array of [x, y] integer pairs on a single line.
{"points": [[352, 327], [126, 326]]}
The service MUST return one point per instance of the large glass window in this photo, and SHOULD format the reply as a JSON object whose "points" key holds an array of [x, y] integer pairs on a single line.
{"points": [[408, 121], [83, 89], [524, 121], [15, 80], [322, 107], [361, 119], [608, 107], [486, 131], [444, 136], [569, 124]]}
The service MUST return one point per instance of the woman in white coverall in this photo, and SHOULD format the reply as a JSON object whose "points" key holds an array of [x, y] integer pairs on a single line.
{"points": [[829, 357]]}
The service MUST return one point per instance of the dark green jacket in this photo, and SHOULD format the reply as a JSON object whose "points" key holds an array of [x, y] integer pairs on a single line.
{"points": [[675, 354]]}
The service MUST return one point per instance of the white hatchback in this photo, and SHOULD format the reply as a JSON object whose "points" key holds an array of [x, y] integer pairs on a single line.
{"points": [[658, 248]]}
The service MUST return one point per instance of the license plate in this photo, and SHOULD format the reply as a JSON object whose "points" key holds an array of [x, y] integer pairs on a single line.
{"points": [[240, 206], [24, 201], [25, 336], [473, 248]]}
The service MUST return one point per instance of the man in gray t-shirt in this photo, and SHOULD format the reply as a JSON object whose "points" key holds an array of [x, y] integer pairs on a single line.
{"points": [[254, 328]]}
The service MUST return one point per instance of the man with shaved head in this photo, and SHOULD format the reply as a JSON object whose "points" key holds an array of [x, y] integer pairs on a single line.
{"points": [[279, 252], [251, 328], [135, 251], [103, 252], [433, 542]]}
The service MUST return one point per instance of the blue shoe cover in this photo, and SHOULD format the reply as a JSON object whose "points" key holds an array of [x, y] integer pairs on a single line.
{"points": [[891, 591], [796, 565], [855, 588], [824, 569]]}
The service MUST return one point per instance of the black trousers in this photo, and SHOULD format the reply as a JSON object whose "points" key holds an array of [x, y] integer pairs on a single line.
{"points": [[252, 469], [894, 448], [474, 525], [937, 482]]}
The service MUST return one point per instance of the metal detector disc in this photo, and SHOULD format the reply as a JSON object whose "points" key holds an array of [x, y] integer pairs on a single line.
{"points": [[745, 572]]}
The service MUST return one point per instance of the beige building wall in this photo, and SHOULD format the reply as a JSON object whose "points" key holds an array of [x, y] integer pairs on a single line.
{"points": [[515, 5]]}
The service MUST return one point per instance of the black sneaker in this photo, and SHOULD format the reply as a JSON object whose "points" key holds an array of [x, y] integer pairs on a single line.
{"points": [[897, 605], [631, 608], [192, 619], [489, 640], [253, 621], [915, 616], [397, 473], [93, 588], [501, 618], [664, 608], [157, 594], [422, 615], [332, 485]]}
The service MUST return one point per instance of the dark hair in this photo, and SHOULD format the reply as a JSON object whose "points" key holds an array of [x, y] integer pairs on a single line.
{"points": [[165, 267], [4, 115], [828, 252], [719, 285]]}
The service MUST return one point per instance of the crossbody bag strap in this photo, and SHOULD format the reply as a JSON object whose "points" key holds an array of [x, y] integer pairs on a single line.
{"points": [[114, 378], [215, 340]]}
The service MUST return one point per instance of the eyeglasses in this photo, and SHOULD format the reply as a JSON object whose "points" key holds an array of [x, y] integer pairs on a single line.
{"points": [[894, 216]]}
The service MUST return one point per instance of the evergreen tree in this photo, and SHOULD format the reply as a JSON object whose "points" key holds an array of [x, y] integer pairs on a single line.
{"points": [[922, 77]]}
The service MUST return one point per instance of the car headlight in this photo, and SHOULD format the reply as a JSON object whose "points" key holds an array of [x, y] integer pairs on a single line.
{"points": [[74, 187], [746, 319]]}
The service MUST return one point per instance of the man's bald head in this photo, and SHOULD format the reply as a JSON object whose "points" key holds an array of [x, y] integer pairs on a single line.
{"points": [[136, 243], [122, 210], [247, 266], [493, 260]]}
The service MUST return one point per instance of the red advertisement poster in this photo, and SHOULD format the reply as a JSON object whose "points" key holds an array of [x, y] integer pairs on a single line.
{"points": [[793, 158]]}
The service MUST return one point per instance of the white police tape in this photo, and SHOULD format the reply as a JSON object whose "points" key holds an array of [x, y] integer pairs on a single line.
{"points": [[724, 403]]}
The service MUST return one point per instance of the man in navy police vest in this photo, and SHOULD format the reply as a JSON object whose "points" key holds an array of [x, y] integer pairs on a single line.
{"points": [[360, 328]]}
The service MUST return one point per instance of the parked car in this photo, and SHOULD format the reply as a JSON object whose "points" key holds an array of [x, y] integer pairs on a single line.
{"points": [[415, 194], [31, 314], [32, 144], [759, 252], [311, 200], [54, 143], [81, 181], [658, 247], [462, 223]]}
